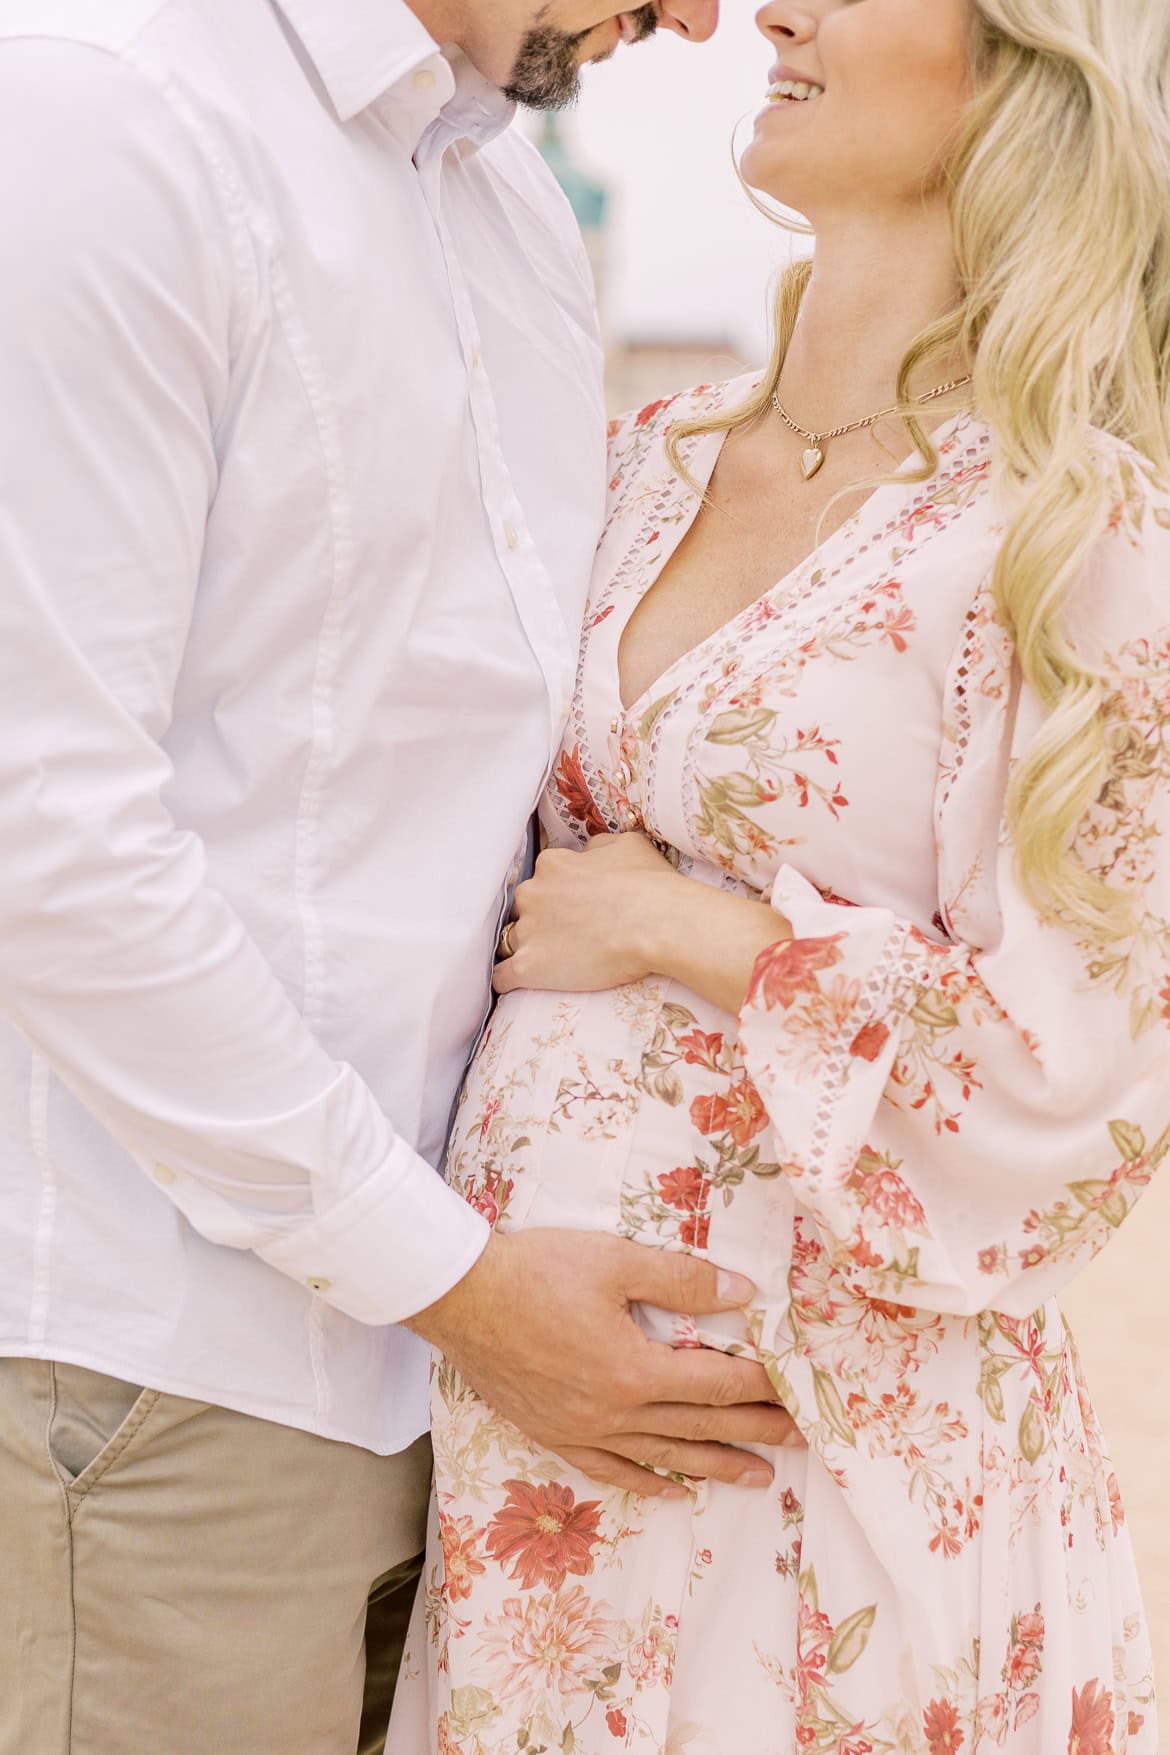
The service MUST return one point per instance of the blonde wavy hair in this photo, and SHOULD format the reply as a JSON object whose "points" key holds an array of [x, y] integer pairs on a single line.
{"points": [[1060, 200]]}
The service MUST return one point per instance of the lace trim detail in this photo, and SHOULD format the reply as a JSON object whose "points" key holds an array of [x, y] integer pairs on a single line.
{"points": [[807, 585], [657, 504], [896, 968], [960, 734]]}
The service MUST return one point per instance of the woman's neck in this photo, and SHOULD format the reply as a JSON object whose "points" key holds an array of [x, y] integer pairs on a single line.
{"points": [[876, 286]]}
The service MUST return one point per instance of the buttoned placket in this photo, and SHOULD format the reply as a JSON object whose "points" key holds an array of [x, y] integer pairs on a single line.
{"points": [[524, 572]]}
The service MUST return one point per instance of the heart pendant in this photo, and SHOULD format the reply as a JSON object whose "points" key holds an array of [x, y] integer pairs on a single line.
{"points": [[811, 461]]}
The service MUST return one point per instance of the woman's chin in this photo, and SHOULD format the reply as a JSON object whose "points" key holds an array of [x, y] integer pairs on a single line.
{"points": [[770, 175]]}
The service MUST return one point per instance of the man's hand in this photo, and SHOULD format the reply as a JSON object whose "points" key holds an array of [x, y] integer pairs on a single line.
{"points": [[541, 1327]]}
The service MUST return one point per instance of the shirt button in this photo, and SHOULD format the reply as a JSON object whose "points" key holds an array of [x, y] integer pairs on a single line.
{"points": [[511, 536], [424, 80], [164, 1174], [316, 1285]]}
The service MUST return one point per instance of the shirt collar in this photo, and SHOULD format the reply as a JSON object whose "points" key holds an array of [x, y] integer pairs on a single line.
{"points": [[364, 50]]}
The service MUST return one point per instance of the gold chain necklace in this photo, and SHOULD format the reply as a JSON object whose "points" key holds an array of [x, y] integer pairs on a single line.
{"points": [[813, 458]]}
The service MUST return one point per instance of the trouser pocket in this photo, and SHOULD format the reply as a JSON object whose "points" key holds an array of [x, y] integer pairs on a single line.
{"points": [[92, 1419]]}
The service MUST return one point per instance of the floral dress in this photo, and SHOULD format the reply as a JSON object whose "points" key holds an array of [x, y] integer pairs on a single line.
{"points": [[933, 1110]]}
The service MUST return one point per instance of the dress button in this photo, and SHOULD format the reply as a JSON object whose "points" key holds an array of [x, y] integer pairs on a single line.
{"points": [[613, 726], [164, 1174], [475, 361], [424, 80], [316, 1285], [511, 536]]}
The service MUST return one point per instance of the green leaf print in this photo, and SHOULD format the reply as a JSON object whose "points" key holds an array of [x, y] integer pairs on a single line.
{"points": [[850, 1640], [740, 725], [1129, 1140], [832, 1408], [471, 1706], [1033, 1433], [991, 1389]]}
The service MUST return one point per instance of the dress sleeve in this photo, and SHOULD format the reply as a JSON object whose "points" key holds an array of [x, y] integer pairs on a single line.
{"points": [[967, 1121]]}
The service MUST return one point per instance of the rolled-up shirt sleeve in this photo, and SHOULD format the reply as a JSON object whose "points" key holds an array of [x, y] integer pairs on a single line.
{"points": [[125, 285]]}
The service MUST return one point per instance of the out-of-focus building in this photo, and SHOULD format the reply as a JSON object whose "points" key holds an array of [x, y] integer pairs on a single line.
{"points": [[638, 369]]}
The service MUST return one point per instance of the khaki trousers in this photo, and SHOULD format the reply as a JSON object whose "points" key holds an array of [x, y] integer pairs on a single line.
{"points": [[176, 1579]]}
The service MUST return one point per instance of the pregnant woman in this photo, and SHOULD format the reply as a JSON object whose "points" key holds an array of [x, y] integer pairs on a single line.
{"points": [[848, 963]]}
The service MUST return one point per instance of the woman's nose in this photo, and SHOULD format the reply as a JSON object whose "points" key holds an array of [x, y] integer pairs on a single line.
{"points": [[781, 20], [693, 19]]}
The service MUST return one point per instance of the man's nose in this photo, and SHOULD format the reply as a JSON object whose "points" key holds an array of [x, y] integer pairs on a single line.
{"points": [[693, 19]]}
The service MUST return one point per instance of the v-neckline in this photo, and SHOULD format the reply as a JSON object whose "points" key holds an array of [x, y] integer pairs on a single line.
{"points": [[701, 478]]}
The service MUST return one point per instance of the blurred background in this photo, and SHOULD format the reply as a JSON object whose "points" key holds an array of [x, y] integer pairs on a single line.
{"points": [[683, 265]]}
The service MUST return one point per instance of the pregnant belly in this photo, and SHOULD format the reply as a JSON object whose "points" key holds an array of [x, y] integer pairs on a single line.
{"points": [[628, 1112]]}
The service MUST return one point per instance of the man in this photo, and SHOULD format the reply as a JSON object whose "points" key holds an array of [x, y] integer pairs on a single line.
{"points": [[301, 472]]}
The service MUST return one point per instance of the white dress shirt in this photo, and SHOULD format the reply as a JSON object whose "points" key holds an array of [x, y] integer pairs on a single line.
{"points": [[301, 472]]}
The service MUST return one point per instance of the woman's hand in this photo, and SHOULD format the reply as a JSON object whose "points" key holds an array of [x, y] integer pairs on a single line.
{"points": [[618, 912], [585, 921]]}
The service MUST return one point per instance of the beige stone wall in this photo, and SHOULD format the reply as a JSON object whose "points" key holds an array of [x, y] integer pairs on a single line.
{"points": [[1119, 1311]]}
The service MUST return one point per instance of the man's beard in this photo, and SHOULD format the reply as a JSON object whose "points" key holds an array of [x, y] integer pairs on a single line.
{"points": [[546, 74]]}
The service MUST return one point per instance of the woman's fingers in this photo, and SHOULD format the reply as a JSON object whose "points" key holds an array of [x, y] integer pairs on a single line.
{"points": [[610, 1470], [754, 1423], [716, 1381], [713, 1462]]}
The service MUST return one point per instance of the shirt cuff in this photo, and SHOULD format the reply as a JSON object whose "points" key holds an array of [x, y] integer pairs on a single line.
{"points": [[388, 1250]]}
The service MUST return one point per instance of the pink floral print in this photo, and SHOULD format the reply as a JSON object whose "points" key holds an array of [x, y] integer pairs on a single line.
{"points": [[932, 1111]]}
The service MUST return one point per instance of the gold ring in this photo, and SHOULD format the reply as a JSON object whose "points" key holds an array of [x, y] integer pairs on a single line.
{"points": [[506, 947]]}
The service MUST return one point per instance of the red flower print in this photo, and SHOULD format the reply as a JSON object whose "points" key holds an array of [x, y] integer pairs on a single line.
{"points": [[1030, 1628], [701, 1049], [544, 1534], [684, 1188], [646, 415], [1023, 1666], [461, 1564], [615, 1718], [886, 1195], [1116, 1508], [740, 1113], [1164, 996], [571, 785], [897, 624], [940, 1724], [694, 1233], [1092, 1721], [791, 967], [869, 1041]]}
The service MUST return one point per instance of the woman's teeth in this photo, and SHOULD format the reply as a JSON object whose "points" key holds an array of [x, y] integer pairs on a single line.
{"points": [[795, 91]]}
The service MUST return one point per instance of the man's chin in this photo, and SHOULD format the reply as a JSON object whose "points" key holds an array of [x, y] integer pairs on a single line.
{"points": [[547, 72]]}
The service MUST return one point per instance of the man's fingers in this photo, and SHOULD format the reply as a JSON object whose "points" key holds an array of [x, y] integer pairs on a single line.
{"points": [[609, 1470], [712, 1462], [705, 1377], [755, 1423], [684, 1283]]}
